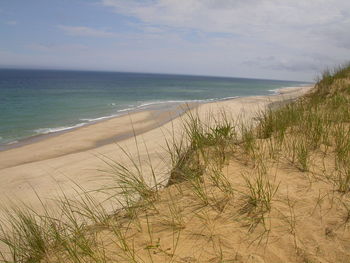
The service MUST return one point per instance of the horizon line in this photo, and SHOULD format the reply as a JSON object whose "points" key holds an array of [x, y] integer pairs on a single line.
{"points": [[150, 73]]}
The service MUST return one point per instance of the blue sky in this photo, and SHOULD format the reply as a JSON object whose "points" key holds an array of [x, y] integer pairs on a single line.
{"points": [[278, 39]]}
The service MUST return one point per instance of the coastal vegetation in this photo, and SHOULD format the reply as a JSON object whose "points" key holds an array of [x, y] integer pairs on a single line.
{"points": [[276, 189]]}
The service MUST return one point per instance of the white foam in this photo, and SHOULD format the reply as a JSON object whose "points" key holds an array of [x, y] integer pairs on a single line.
{"points": [[281, 89], [143, 105], [57, 129], [100, 118], [183, 101], [4, 141], [13, 142], [127, 109], [274, 91], [229, 98], [278, 90], [162, 102]]}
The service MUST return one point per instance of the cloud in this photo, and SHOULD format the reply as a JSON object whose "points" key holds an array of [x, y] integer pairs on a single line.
{"points": [[83, 31], [281, 39], [11, 22], [285, 23], [298, 35], [234, 16], [307, 64]]}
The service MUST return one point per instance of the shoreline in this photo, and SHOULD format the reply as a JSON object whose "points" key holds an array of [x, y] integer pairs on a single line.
{"points": [[152, 119], [126, 112], [44, 167], [43, 136], [84, 138]]}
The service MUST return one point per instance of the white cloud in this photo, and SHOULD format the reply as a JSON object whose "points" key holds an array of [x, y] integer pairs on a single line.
{"points": [[308, 35], [242, 16], [280, 39], [83, 31]]}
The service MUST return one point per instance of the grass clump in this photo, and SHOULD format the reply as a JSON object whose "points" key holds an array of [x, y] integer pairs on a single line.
{"points": [[49, 236], [28, 237], [303, 156], [190, 155]]}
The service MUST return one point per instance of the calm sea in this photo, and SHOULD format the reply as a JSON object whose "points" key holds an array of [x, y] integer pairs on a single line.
{"points": [[36, 102]]}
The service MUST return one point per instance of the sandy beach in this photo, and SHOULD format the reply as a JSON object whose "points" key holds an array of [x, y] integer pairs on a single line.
{"points": [[56, 163]]}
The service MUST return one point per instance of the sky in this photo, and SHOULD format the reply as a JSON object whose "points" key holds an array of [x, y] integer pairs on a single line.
{"points": [[270, 39]]}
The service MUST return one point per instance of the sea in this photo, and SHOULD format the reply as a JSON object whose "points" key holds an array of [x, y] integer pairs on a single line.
{"points": [[34, 102]]}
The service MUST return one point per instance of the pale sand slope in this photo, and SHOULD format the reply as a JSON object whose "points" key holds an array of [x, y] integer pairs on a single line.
{"points": [[55, 162]]}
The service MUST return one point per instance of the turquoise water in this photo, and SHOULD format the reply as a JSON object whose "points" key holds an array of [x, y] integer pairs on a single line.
{"points": [[36, 102]]}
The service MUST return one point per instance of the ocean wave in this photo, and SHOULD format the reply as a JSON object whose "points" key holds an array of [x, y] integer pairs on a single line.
{"points": [[154, 103], [58, 129], [4, 141], [12, 142], [100, 118], [128, 109], [278, 90], [133, 108], [228, 98], [184, 101], [274, 91]]}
